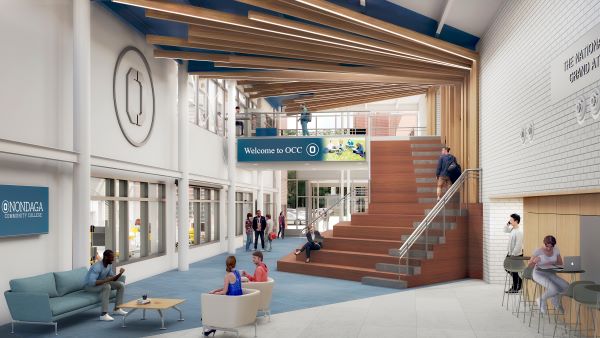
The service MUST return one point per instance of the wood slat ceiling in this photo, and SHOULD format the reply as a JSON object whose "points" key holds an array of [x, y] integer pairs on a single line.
{"points": [[335, 57]]}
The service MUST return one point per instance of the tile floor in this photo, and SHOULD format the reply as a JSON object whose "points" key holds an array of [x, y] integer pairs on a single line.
{"points": [[465, 309]]}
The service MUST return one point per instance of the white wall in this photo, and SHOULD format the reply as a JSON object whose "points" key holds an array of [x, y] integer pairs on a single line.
{"points": [[36, 92], [516, 56]]}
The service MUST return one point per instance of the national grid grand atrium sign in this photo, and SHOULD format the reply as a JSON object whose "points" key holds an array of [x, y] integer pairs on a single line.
{"points": [[301, 149], [23, 210]]}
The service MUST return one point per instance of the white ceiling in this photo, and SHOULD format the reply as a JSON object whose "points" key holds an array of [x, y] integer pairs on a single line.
{"points": [[471, 16]]}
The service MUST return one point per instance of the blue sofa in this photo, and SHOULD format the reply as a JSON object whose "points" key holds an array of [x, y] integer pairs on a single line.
{"points": [[46, 298]]}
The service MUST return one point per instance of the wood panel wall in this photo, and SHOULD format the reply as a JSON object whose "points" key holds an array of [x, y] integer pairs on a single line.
{"points": [[558, 216]]}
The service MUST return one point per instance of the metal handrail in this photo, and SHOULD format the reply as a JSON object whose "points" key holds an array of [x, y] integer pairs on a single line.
{"points": [[327, 210], [433, 213]]}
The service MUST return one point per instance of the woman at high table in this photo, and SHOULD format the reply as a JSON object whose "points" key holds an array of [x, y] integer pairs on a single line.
{"points": [[544, 259]]}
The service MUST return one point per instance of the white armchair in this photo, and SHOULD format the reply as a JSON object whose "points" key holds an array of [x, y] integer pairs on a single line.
{"points": [[266, 294], [227, 313]]}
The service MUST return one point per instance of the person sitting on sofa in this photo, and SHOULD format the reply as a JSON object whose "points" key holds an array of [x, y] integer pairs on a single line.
{"points": [[232, 285], [102, 279], [261, 274], [314, 242]]}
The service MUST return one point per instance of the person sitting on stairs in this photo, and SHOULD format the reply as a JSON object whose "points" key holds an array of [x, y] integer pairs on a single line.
{"points": [[314, 242]]}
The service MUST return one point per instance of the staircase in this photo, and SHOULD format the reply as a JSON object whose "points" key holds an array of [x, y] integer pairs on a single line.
{"points": [[402, 193]]}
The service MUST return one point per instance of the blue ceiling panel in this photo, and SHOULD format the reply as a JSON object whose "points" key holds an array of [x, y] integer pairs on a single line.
{"points": [[458, 37], [404, 17]]}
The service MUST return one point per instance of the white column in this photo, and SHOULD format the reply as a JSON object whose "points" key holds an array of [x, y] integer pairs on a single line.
{"points": [[278, 195], [348, 188], [82, 132], [223, 217], [259, 199], [231, 164], [341, 206], [183, 210]]}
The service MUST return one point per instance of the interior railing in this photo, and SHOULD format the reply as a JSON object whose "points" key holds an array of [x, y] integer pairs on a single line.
{"points": [[432, 229], [350, 197]]}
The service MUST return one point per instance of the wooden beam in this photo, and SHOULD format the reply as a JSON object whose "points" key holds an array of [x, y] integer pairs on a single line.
{"points": [[370, 44], [330, 90], [322, 76], [302, 11], [352, 95], [388, 28], [346, 103], [180, 55]]}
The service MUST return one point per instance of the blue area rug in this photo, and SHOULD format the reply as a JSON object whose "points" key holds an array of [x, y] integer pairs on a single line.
{"points": [[289, 294]]}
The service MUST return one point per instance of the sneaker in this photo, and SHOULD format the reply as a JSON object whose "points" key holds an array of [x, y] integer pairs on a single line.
{"points": [[106, 318], [119, 312]]}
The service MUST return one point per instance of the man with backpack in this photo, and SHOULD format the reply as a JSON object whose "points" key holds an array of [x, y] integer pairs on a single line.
{"points": [[446, 168], [305, 117]]}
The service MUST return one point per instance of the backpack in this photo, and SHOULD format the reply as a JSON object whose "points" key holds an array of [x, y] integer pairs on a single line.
{"points": [[454, 170]]}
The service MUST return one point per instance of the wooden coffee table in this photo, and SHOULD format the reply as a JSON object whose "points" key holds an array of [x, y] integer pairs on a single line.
{"points": [[158, 304]]}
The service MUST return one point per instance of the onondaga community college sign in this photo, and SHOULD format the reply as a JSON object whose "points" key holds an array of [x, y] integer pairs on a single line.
{"points": [[23, 210]]}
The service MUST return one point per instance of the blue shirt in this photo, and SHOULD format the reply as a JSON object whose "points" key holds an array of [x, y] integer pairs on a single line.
{"points": [[235, 288], [98, 272]]}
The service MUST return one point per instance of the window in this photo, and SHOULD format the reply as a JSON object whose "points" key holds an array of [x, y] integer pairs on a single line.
{"points": [[192, 99], [204, 215], [244, 204], [127, 217], [267, 205]]}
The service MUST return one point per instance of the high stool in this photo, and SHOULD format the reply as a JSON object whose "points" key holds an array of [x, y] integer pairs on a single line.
{"points": [[538, 290], [569, 294], [525, 292], [511, 265], [588, 295]]}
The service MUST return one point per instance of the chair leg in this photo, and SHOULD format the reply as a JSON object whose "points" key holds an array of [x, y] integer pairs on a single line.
{"points": [[532, 307], [503, 292], [12, 326], [56, 329], [254, 329]]}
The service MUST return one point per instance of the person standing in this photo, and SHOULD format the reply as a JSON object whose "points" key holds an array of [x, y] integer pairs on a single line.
{"points": [[304, 119], [270, 229], [259, 224], [441, 173], [248, 228], [102, 279], [239, 125], [515, 248], [281, 225]]}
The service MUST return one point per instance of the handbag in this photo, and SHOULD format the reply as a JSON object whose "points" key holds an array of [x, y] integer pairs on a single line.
{"points": [[272, 235]]}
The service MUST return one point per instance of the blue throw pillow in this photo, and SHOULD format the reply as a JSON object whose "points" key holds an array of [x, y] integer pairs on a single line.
{"points": [[70, 281], [41, 283]]}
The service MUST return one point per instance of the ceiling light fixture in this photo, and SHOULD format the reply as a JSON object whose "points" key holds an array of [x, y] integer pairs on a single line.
{"points": [[299, 27], [309, 3]]}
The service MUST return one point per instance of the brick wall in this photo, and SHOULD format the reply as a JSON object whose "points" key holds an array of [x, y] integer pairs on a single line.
{"points": [[516, 56]]}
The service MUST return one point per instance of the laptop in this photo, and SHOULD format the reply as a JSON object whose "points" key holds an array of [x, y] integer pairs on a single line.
{"points": [[572, 263]]}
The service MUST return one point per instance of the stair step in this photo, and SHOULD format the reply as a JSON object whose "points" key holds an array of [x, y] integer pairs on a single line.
{"points": [[398, 268], [399, 208], [384, 282], [449, 212], [376, 246], [426, 145], [438, 225], [413, 253], [425, 171], [430, 161], [425, 180], [350, 258], [421, 190], [431, 239], [289, 264], [426, 153], [391, 220], [371, 232]]}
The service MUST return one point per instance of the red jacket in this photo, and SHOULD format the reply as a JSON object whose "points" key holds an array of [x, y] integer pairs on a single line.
{"points": [[261, 274]]}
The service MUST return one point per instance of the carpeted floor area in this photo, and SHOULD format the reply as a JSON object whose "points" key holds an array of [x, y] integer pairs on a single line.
{"points": [[290, 294]]}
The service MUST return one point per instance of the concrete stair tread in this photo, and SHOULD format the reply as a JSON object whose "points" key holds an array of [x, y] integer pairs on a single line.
{"points": [[382, 241], [395, 283]]}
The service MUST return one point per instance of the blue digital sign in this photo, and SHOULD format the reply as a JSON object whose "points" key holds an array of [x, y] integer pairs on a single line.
{"points": [[23, 210], [301, 149]]}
